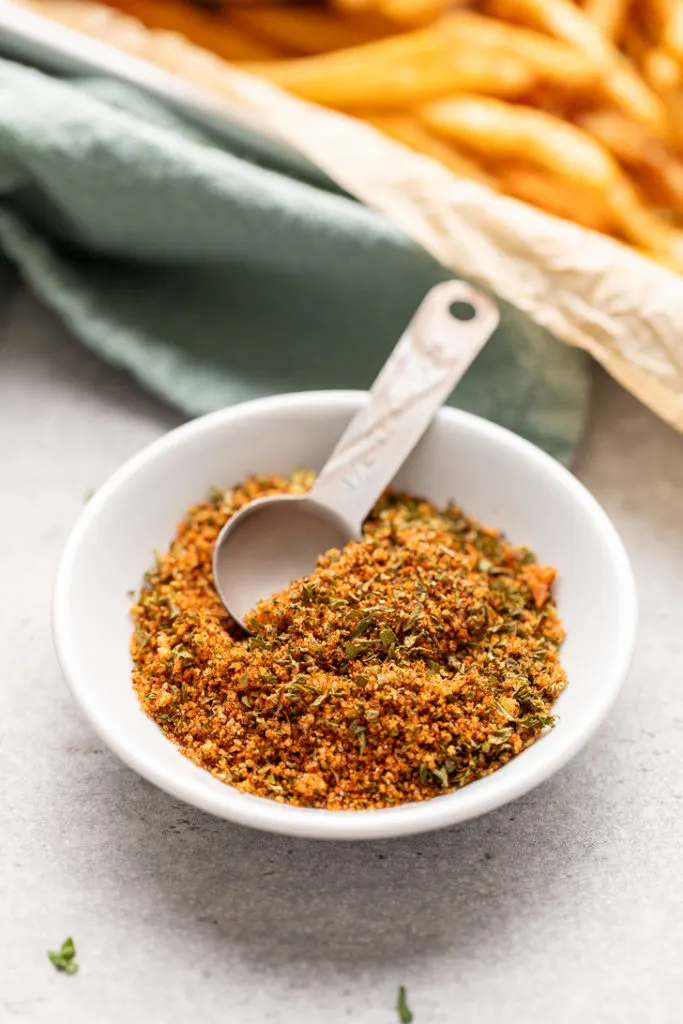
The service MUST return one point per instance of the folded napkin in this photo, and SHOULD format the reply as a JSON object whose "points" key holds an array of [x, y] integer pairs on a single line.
{"points": [[216, 270]]}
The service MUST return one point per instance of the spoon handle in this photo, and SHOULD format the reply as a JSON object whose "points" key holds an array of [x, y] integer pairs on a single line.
{"points": [[431, 356]]}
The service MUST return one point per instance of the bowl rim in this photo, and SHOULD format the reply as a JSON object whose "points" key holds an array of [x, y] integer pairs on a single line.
{"points": [[405, 819]]}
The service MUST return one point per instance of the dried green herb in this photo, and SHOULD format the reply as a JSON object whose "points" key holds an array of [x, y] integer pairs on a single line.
{"points": [[354, 649], [218, 494], [404, 1014], [415, 614], [183, 652], [388, 639], [141, 639], [64, 958], [359, 732], [298, 687], [363, 626]]}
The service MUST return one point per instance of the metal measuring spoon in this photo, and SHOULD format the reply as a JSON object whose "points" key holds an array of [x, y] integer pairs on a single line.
{"points": [[272, 541]]}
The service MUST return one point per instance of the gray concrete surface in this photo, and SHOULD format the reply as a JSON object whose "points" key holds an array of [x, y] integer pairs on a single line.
{"points": [[566, 906]]}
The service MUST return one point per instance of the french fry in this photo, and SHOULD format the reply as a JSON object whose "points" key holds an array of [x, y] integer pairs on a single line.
{"points": [[396, 85], [627, 140], [355, 6], [463, 52], [203, 28], [625, 212], [609, 16], [621, 84], [660, 171], [553, 60], [402, 47], [652, 17], [385, 77], [672, 36], [635, 43], [557, 196], [304, 30], [414, 13], [560, 18], [506, 133], [665, 75], [640, 224], [501, 131], [408, 130], [662, 71]]}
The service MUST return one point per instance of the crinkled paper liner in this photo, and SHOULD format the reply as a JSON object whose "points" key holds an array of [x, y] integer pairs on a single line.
{"points": [[587, 289]]}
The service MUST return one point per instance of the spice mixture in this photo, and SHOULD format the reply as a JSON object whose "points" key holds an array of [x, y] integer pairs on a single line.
{"points": [[408, 664]]}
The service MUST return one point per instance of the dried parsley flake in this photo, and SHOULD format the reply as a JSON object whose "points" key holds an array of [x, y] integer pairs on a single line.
{"points": [[64, 958], [405, 1015]]}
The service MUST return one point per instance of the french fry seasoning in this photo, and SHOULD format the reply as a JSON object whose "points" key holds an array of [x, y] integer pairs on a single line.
{"points": [[406, 665]]}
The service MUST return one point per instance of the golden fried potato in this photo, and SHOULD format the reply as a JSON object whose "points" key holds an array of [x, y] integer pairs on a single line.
{"points": [[660, 172], [651, 16], [305, 29], [557, 196], [552, 60], [414, 13], [620, 82], [672, 34], [399, 72], [609, 16], [639, 223], [205, 28], [635, 43], [505, 132]]}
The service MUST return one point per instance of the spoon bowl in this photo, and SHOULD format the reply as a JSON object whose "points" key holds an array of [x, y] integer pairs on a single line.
{"points": [[270, 542]]}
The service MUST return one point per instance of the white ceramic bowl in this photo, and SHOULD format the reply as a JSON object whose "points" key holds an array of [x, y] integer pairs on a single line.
{"points": [[493, 474]]}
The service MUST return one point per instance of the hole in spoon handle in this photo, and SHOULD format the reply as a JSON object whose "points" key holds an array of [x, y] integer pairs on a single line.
{"points": [[431, 356]]}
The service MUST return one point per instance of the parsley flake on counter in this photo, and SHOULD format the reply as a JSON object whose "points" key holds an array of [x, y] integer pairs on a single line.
{"points": [[64, 959], [404, 1014]]}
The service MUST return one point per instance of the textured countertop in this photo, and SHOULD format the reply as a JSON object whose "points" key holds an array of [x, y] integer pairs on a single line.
{"points": [[566, 906]]}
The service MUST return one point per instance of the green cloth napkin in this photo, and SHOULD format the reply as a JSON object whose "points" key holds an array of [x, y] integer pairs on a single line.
{"points": [[214, 269]]}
